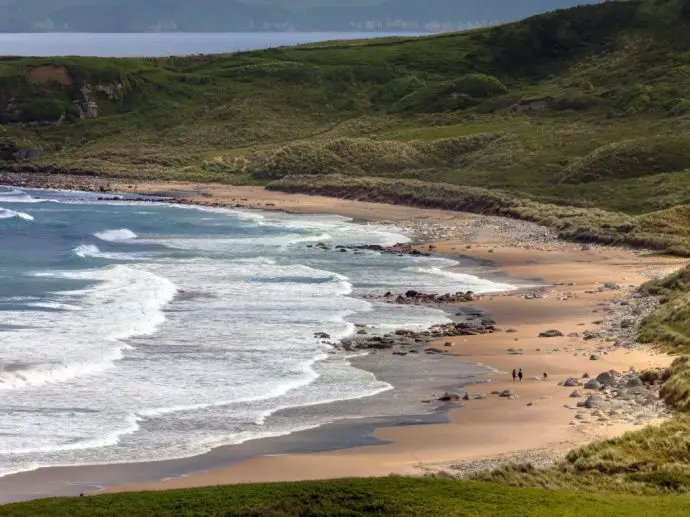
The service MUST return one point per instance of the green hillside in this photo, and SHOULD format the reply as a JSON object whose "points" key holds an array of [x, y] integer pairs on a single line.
{"points": [[587, 107]]}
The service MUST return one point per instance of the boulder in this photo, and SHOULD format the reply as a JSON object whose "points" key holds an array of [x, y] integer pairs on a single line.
{"points": [[551, 333], [606, 379], [585, 375], [449, 397], [322, 335], [592, 384], [594, 357], [571, 382], [594, 402], [575, 394], [634, 382]]}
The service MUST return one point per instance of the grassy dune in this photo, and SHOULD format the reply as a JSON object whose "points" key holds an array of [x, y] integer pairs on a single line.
{"points": [[654, 230]]}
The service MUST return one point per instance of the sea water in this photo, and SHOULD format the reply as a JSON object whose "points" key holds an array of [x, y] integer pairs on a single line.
{"points": [[137, 331], [164, 44]]}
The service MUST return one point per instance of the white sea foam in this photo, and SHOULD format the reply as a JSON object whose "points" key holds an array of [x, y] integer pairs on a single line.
{"points": [[124, 302], [120, 235], [5, 213], [470, 282], [18, 196], [92, 251], [50, 373], [131, 425]]}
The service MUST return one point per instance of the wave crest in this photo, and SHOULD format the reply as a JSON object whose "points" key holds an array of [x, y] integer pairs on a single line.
{"points": [[6, 213], [123, 234]]}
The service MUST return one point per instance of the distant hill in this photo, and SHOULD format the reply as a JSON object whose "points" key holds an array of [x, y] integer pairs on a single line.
{"points": [[263, 15]]}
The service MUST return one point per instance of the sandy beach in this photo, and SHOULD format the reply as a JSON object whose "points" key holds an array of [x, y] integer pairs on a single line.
{"points": [[534, 426], [589, 289]]}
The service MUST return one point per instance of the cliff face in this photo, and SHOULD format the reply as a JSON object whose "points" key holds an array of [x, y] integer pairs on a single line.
{"points": [[264, 15], [52, 94]]}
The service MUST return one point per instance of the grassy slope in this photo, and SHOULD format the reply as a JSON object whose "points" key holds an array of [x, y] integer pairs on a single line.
{"points": [[669, 325], [385, 496], [612, 75]]}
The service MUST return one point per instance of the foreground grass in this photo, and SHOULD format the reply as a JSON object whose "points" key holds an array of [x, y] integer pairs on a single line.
{"points": [[653, 460], [390, 496]]}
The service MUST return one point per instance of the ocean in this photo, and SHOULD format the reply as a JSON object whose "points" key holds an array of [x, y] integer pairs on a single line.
{"points": [[135, 331], [163, 44]]}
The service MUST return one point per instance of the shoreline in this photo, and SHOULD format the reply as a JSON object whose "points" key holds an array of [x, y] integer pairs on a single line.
{"points": [[475, 433]]}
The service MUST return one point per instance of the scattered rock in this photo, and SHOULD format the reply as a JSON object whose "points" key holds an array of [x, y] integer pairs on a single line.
{"points": [[576, 394], [592, 384], [449, 397], [634, 381], [571, 382], [594, 402], [551, 333], [606, 379], [511, 331], [594, 357]]}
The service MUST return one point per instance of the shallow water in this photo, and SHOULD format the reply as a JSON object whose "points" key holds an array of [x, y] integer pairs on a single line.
{"points": [[163, 44], [134, 332]]}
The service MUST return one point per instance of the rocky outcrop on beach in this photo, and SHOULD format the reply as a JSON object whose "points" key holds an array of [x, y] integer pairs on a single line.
{"points": [[404, 342], [617, 397], [415, 297]]}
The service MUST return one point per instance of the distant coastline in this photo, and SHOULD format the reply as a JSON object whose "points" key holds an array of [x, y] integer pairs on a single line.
{"points": [[163, 44]]}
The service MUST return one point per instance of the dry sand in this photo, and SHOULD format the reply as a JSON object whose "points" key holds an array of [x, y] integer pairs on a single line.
{"points": [[491, 427]]}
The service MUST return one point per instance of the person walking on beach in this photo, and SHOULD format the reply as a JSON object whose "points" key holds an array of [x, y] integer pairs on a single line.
{"points": [[520, 374], [514, 375]]}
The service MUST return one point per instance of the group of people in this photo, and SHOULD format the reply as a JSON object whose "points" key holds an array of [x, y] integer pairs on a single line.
{"points": [[519, 375]]}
